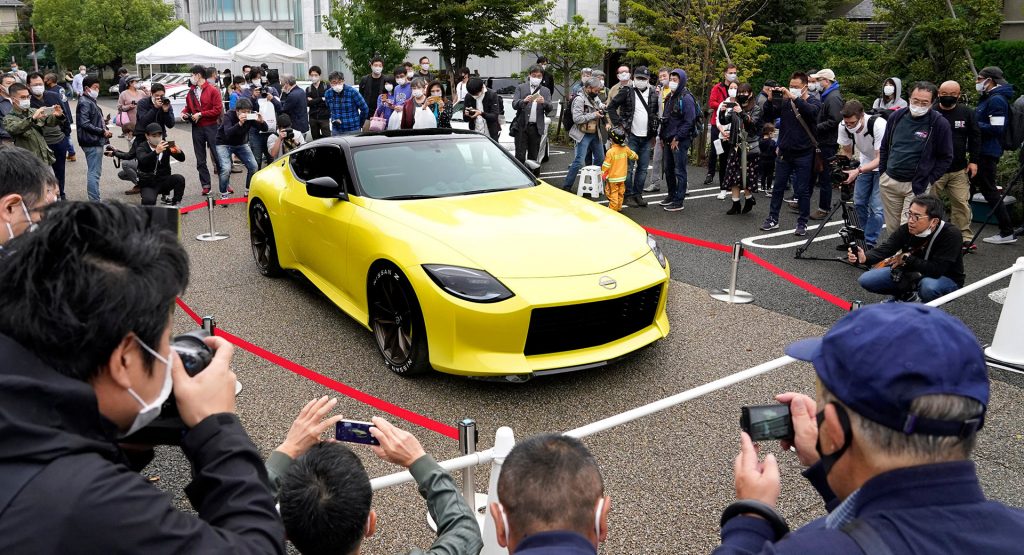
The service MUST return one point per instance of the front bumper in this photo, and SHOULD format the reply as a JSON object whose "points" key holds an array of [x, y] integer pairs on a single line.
{"points": [[491, 340]]}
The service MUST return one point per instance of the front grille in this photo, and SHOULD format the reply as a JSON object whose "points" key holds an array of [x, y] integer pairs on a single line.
{"points": [[566, 328]]}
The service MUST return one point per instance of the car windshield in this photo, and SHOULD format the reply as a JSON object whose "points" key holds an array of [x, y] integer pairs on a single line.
{"points": [[446, 167]]}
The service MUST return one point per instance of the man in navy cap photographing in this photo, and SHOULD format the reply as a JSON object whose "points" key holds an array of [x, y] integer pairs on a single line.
{"points": [[901, 394]]}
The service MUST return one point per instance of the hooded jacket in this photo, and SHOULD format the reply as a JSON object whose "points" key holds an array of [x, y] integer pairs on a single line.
{"points": [[992, 114], [897, 97], [65, 486], [936, 156], [680, 113], [829, 116]]}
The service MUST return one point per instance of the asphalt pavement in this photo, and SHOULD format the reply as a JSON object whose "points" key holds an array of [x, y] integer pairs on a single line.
{"points": [[669, 474]]}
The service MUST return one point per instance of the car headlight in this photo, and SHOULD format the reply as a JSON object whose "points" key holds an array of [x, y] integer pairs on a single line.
{"points": [[468, 284], [651, 242]]}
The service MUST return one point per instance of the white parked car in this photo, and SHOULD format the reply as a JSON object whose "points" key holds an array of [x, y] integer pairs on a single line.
{"points": [[506, 140]]}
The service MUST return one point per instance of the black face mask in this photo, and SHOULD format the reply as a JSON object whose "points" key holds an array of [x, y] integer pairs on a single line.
{"points": [[742, 99], [828, 461], [947, 101]]}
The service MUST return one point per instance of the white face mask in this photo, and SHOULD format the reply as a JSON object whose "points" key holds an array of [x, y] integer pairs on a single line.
{"points": [[417, 93], [314, 78], [410, 74], [918, 111], [151, 411], [32, 226], [425, 67], [640, 84], [338, 88], [82, 71], [888, 90], [154, 141], [37, 90], [730, 77], [812, 87], [980, 87], [602, 83], [624, 76], [256, 82], [94, 93], [25, 104], [925, 233], [673, 85], [797, 93], [732, 93], [534, 81], [401, 81], [389, 87], [376, 69]]}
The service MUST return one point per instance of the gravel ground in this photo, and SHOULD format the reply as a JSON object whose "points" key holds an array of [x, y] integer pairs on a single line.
{"points": [[673, 467]]}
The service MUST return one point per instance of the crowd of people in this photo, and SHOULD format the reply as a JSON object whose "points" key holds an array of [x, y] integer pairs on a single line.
{"points": [[89, 290]]}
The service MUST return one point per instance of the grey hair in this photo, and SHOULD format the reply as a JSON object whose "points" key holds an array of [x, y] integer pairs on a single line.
{"points": [[287, 79], [597, 73], [535, 68], [594, 82], [419, 83], [927, 449]]}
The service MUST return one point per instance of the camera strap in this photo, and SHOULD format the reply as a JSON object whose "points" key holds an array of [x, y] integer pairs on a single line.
{"points": [[803, 124], [643, 100]]}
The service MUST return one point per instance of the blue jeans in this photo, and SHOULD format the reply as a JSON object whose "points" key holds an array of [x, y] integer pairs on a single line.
{"points": [[800, 170], [94, 159], [675, 169], [867, 202], [591, 143], [257, 147], [825, 180], [929, 289], [243, 153], [642, 147], [71, 146]]}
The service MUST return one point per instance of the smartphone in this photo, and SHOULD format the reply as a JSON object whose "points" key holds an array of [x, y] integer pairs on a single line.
{"points": [[48, 110], [765, 422], [251, 117], [354, 431], [170, 144]]}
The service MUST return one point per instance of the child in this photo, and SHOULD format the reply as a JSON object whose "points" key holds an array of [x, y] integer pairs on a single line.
{"points": [[767, 147], [615, 167]]}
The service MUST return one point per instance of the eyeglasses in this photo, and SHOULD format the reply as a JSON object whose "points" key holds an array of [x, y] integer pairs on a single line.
{"points": [[914, 217], [920, 103]]}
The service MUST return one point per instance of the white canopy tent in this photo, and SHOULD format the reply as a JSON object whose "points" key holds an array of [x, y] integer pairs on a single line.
{"points": [[183, 47], [263, 47]]}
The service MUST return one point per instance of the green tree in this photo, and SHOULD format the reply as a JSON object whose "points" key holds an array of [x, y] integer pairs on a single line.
{"points": [[860, 66], [569, 48], [364, 34], [101, 32], [780, 19], [465, 28], [930, 43]]}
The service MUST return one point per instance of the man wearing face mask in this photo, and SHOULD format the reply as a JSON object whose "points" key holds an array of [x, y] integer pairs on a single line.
{"points": [[204, 108], [658, 161], [719, 94], [76, 83], [348, 109], [56, 136], [482, 107], [319, 113], [293, 103], [6, 105], [622, 76], [153, 109], [372, 85], [864, 133], [551, 499], [826, 131], [635, 109], [89, 302], [916, 151], [955, 183], [26, 187], [93, 134], [154, 167], [991, 114], [546, 79], [532, 102], [888, 445], [26, 125], [924, 258]]}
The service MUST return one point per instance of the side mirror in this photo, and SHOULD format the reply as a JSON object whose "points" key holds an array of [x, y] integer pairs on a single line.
{"points": [[325, 187]]}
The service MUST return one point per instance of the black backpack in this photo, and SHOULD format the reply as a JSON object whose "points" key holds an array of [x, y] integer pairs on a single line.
{"points": [[567, 121], [1013, 128], [870, 130], [698, 121]]}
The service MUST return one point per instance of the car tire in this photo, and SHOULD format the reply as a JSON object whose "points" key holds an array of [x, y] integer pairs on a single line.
{"points": [[261, 237], [397, 322]]}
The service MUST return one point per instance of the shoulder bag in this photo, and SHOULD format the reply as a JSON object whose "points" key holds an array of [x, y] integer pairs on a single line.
{"points": [[377, 122], [819, 159]]}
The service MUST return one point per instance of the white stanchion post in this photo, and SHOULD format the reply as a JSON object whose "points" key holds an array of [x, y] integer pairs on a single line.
{"points": [[733, 295], [1007, 348], [504, 441], [213, 235]]}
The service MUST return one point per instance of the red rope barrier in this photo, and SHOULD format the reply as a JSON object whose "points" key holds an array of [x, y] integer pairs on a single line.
{"points": [[221, 202], [810, 288], [341, 388]]}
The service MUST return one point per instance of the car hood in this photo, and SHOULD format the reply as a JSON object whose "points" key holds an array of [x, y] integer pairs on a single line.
{"points": [[537, 232]]}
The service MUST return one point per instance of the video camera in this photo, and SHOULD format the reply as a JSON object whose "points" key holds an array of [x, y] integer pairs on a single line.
{"points": [[168, 429], [838, 166]]}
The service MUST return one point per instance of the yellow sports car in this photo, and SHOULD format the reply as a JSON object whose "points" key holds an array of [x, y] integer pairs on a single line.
{"points": [[456, 257]]}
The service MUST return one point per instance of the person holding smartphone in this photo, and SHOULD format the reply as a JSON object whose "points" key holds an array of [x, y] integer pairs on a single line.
{"points": [[482, 108], [233, 139], [324, 491]]}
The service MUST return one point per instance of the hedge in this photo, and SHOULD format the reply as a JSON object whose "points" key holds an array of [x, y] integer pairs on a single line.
{"points": [[1007, 55]]}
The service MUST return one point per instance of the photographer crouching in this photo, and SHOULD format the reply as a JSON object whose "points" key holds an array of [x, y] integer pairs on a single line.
{"points": [[154, 159], [86, 355], [921, 261]]}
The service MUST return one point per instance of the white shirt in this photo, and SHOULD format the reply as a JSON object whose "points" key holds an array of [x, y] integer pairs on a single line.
{"points": [[866, 144], [298, 137], [269, 113], [460, 92], [640, 116]]}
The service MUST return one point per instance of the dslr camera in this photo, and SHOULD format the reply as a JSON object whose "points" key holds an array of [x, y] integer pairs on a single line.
{"points": [[838, 166], [168, 428]]}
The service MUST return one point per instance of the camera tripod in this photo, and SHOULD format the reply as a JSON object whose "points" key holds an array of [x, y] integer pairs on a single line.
{"points": [[851, 232]]}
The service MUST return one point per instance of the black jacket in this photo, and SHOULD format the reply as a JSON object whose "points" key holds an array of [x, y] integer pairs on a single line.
{"points": [[491, 110], [146, 113], [829, 116], [315, 98], [945, 257], [233, 133], [70, 490], [623, 106], [966, 136], [91, 127], [294, 104], [793, 140], [371, 88], [150, 163]]}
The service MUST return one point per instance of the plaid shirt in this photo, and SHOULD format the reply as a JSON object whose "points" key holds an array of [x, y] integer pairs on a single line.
{"points": [[348, 110]]}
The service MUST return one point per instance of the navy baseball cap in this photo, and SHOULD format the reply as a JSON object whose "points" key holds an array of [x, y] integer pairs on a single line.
{"points": [[878, 359]]}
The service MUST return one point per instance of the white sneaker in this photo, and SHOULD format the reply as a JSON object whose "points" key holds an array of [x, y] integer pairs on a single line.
{"points": [[224, 196], [722, 195], [998, 239]]}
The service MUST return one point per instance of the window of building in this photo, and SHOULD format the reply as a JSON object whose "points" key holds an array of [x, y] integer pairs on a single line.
{"points": [[572, 9], [227, 10], [297, 18], [318, 17], [622, 11], [602, 12], [264, 10], [245, 10], [284, 10], [227, 39]]}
